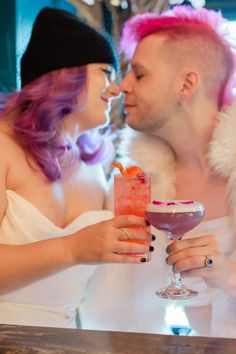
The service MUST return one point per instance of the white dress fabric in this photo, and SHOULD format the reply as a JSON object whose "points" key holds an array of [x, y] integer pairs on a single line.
{"points": [[51, 301]]}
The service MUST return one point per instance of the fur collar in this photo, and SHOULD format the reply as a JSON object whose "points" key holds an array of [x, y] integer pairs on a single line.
{"points": [[157, 158]]}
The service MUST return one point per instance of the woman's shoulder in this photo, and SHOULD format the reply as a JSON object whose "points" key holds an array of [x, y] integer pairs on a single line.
{"points": [[10, 149], [7, 136]]}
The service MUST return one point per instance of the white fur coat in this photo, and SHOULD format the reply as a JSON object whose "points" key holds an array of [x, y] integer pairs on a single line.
{"points": [[157, 159], [121, 297]]}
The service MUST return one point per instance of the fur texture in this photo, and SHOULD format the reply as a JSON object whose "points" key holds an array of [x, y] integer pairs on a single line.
{"points": [[157, 159]]}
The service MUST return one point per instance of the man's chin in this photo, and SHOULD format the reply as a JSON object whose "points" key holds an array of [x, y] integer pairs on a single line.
{"points": [[135, 124]]}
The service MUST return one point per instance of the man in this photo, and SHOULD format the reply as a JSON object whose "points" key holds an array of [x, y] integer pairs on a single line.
{"points": [[182, 74]]}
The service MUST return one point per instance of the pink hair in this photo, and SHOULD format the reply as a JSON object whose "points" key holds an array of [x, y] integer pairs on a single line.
{"points": [[184, 21]]}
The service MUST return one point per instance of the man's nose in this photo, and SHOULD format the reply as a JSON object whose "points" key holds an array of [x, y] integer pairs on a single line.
{"points": [[125, 86]]}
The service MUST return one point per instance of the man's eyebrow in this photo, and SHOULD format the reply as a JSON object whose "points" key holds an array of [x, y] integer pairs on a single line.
{"points": [[137, 66]]}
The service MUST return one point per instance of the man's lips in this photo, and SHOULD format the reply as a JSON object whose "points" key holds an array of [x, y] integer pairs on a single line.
{"points": [[129, 106]]}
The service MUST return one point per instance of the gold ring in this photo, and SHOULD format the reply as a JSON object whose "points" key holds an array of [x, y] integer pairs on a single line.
{"points": [[208, 262], [125, 232]]}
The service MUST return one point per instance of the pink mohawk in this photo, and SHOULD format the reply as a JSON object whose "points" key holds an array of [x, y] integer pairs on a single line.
{"points": [[140, 26]]}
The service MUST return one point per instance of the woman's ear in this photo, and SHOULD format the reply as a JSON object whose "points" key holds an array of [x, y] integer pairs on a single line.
{"points": [[189, 83]]}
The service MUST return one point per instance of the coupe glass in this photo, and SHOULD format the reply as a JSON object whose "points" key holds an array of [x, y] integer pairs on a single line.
{"points": [[175, 218]]}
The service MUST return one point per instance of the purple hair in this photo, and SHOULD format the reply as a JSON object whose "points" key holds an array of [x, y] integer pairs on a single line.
{"points": [[179, 21], [40, 107]]}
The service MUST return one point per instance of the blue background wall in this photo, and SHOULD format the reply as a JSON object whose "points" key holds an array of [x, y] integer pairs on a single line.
{"points": [[16, 19]]}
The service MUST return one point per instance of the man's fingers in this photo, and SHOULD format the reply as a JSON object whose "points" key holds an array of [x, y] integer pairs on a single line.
{"points": [[200, 241]]}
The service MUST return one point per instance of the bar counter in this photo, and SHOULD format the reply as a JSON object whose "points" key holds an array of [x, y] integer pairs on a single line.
{"points": [[32, 340]]}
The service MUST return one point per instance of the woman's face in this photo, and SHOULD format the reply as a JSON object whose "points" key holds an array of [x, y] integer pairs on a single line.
{"points": [[100, 89]]}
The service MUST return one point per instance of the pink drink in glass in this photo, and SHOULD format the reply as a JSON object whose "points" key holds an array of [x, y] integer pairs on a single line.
{"points": [[131, 196], [175, 218]]}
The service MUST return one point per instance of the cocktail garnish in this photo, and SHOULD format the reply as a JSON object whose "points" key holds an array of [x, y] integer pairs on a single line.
{"points": [[159, 202], [119, 166], [131, 171]]}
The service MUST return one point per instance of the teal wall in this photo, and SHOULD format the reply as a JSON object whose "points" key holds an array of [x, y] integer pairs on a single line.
{"points": [[16, 19], [7, 44], [227, 7]]}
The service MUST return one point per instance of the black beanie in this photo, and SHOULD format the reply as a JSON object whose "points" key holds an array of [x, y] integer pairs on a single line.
{"points": [[61, 40]]}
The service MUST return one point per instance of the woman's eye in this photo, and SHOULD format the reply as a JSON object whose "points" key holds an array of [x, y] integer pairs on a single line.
{"points": [[108, 73]]}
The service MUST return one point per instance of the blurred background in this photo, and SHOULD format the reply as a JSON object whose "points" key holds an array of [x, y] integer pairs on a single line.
{"points": [[17, 16]]}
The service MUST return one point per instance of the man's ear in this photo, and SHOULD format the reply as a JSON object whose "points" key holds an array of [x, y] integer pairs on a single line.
{"points": [[189, 83]]}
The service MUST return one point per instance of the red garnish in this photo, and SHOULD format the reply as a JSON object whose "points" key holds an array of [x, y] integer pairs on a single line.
{"points": [[131, 171], [159, 202]]}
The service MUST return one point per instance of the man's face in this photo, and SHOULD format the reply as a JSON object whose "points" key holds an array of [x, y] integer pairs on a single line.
{"points": [[150, 86]]}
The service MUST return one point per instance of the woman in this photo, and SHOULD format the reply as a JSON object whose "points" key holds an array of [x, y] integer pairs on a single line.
{"points": [[47, 187]]}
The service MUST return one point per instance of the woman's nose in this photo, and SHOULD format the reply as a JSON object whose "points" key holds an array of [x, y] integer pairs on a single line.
{"points": [[114, 89]]}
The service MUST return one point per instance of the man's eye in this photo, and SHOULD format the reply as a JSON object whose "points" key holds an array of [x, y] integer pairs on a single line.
{"points": [[139, 76]]}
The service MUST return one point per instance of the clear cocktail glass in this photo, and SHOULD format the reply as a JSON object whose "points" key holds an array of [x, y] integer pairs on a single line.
{"points": [[175, 218]]}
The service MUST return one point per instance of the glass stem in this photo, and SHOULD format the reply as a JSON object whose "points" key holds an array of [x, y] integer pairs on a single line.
{"points": [[176, 280]]}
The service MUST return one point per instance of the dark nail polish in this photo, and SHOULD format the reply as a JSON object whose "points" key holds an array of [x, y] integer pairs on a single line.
{"points": [[153, 237], [148, 223], [151, 248], [143, 260]]}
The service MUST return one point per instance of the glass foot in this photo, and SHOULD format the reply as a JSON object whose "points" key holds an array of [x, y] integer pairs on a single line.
{"points": [[176, 293]]}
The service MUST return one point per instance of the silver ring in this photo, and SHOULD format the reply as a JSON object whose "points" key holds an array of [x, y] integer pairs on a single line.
{"points": [[125, 232], [208, 262]]}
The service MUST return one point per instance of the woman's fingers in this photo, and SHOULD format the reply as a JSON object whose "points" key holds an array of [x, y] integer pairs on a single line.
{"points": [[128, 258], [129, 220], [133, 234]]}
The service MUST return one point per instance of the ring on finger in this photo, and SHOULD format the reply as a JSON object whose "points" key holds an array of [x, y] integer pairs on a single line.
{"points": [[125, 233], [208, 262]]}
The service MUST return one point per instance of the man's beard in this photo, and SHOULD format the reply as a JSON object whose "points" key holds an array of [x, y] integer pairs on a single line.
{"points": [[153, 122], [148, 125]]}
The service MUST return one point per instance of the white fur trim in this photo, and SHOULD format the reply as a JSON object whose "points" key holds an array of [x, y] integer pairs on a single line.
{"points": [[154, 156]]}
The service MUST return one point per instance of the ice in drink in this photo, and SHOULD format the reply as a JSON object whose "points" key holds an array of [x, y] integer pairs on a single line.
{"points": [[132, 194]]}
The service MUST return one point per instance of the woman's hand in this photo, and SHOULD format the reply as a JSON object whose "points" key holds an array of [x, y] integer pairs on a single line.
{"points": [[199, 256], [106, 242]]}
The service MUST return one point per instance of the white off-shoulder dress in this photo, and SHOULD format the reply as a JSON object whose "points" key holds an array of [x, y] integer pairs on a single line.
{"points": [[51, 301]]}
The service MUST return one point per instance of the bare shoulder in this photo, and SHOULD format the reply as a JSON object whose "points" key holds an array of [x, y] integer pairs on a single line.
{"points": [[5, 143], [8, 144]]}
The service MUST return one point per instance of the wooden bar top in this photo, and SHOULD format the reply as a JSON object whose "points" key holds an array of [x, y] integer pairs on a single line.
{"points": [[32, 340]]}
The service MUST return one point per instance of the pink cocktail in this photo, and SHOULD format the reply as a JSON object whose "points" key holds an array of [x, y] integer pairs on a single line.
{"points": [[175, 218], [131, 196]]}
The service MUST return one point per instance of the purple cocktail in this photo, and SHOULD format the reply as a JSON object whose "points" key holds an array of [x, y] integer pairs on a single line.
{"points": [[175, 218]]}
